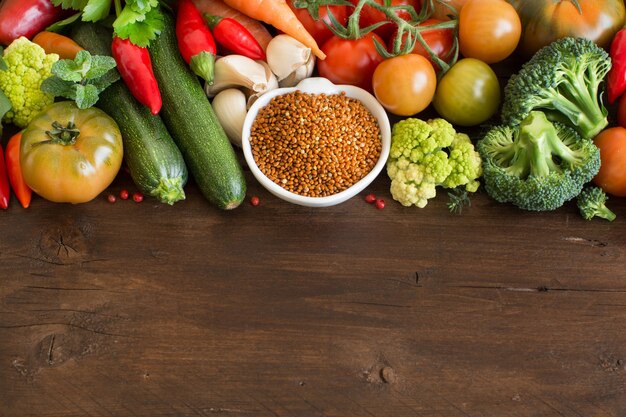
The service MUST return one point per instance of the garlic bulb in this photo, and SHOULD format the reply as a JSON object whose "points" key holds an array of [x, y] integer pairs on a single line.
{"points": [[230, 108], [238, 71], [302, 72], [285, 55]]}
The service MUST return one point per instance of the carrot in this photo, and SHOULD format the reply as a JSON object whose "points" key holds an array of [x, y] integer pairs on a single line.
{"points": [[218, 8], [278, 14], [54, 43]]}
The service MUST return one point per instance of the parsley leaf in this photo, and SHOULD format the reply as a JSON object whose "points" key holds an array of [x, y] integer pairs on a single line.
{"points": [[96, 10], [71, 4], [141, 32]]}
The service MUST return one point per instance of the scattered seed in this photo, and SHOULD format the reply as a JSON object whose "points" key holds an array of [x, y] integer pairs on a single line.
{"points": [[111, 198], [254, 200], [124, 194], [137, 197], [380, 204], [370, 199]]}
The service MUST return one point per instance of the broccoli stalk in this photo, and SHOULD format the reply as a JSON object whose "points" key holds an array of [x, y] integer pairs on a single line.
{"points": [[563, 80], [592, 203], [537, 165]]}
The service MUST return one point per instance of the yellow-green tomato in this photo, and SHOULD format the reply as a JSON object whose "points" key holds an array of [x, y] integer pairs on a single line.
{"points": [[405, 84], [70, 155], [468, 94]]}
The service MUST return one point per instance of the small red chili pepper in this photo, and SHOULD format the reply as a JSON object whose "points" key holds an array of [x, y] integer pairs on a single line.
{"points": [[124, 194], [135, 67], [137, 197], [616, 78], [5, 189], [195, 42], [233, 36], [370, 199], [14, 168], [380, 204], [254, 200]]}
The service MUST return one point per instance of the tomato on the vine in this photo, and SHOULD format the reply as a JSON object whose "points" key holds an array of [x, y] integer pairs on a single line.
{"points": [[440, 41], [317, 28], [370, 16], [468, 94], [489, 30], [612, 175], [351, 61], [405, 84]]}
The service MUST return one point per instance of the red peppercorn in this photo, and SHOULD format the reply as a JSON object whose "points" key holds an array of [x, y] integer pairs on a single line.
{"points": [[137, 197], [370, 198], [380, 204], [124, 194], [111, 198], [254, 200]]}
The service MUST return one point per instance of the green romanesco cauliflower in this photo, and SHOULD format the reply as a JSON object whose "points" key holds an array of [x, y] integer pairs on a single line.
{"points": [[28, 65], [428, 154]]}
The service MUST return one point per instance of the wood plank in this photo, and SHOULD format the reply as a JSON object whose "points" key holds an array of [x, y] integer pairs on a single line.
{"points": [[279, 310]]}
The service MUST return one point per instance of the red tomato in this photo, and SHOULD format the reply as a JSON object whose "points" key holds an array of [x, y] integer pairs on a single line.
{"points": [[317, 28], [612, 175], [370, 16], [441, 41], [351, 61]]}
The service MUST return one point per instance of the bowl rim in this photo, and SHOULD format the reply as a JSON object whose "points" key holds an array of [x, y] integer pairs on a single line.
{"points": [[319, 85]]}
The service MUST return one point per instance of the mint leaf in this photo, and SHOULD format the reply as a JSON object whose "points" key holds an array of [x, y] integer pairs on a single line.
{"points": [[96, 10], [58, 87], [86, 96], [100, 65], [102, 83], [73, 70]]}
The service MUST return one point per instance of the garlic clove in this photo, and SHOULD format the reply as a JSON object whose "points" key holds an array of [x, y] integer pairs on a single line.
{"points": [[272, 83], [237, 71], [286, 54], [230, 108], [302, 72]]}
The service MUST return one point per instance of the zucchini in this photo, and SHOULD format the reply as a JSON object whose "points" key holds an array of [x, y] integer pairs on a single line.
{"points": [[155, 163], [193, 124]]}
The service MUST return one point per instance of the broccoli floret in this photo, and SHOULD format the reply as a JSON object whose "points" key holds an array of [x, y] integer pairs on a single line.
{"points": [[427, 154], [563, 80], [27, 66], [538, 165], [592, 203]]}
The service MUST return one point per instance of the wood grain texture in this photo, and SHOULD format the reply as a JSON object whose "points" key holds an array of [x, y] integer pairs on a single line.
{"points": [[144, 309]]}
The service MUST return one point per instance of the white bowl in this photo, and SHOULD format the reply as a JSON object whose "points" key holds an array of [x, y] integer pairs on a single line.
{"points": [[318, 85]]}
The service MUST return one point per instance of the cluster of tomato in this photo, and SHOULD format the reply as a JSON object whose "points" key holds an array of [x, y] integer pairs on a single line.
{"points": [[485, 32]]}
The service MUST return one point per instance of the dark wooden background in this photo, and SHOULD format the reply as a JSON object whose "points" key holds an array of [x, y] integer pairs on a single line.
{"points": [[144, 309]]}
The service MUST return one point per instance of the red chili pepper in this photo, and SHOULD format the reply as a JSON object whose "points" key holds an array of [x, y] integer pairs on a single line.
{"points": [[26, 18], [233, 36], [5, 190], [616, 78], [195, 42], [135, 67], [14, 168]]}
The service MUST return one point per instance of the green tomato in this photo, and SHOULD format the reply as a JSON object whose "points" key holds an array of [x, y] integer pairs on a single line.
{"points": [[468, 94]]}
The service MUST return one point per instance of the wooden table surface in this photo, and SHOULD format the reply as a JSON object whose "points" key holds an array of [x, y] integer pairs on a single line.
{"points": [[145, 309]]}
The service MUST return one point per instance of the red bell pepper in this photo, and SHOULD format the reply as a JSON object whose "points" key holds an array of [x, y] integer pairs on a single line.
{"points": [[195, 42], [14, 168], [26, 18], [233, 36], [135, 67], [5, 190], [616, 78]]}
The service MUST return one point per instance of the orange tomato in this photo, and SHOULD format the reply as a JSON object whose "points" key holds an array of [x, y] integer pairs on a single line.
{"points": [[612, 175], [489, 30]]}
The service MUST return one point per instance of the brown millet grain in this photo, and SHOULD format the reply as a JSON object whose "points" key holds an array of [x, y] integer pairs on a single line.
{"points": [[315, 145]]}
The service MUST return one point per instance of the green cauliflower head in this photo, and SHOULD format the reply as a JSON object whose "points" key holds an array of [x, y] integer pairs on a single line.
{"points": [[427, 154], [27, 66]]}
